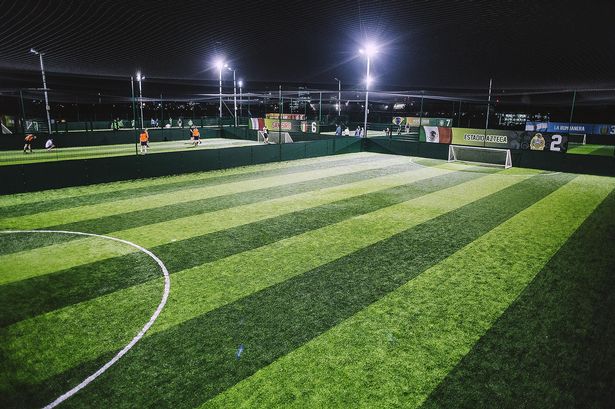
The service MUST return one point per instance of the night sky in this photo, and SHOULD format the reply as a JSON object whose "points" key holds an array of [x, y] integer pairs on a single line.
{"points": [[427, 43]]}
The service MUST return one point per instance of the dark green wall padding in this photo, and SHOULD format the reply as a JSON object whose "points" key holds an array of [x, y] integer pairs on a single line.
{"points": [[50, 175]]}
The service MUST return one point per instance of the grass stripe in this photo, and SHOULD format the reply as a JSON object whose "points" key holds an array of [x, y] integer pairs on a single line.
{"points": [[76, 191], [553, 348], [14, 157], [101, 193], [313, 301], [398, 349], [137, 218], [41, 220], [26, 298], [22, 265]]}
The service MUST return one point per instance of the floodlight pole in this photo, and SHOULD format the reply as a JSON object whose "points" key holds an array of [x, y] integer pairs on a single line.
{"points": [[235, 97], [339, 97], [140, 79], [134, 114], [220, 82], [23, 112], [240, 98], [281, 114], [488, 108], [574, 99], [319, 107], [366, 97], [47, 107]]}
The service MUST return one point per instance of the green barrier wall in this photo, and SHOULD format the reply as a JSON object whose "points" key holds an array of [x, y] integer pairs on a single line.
{"points": [[74, 139], [51, 175], [553, 161], [48, 175]]}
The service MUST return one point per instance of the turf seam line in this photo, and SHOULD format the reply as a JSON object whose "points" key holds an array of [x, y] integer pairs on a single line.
{"points": [[163, 301]]}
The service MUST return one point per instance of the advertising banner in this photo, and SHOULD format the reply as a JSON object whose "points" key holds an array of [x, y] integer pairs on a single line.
{"points": [[541, 141], [288, 125], [435, 134], [565, 127], [416, 121], [604, 129], [276, 115], [476, 137]]}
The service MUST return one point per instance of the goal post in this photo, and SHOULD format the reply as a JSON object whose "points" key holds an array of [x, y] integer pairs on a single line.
{"points": [[480, 155], [275, 137]]}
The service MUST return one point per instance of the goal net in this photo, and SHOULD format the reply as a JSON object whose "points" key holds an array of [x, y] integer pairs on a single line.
{"points": [[578, 138], [480, 156], [275, 137]]}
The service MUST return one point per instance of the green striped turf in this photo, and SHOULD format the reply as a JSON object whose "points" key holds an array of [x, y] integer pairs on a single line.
{"points": [[31, 263], [553, 347], [200, 289], [125, 190], [137, 218], [397, 350], [44, 293], [78, 193], [81, 213], [198, 354]]}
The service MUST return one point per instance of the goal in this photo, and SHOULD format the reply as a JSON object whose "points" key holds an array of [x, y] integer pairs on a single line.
{"points": [[275, 137], [479, 155], [578, 138]]}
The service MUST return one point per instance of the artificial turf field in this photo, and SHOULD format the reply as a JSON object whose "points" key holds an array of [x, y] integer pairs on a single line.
{"points": [[598, 150], [40, 154], [358, 280]]}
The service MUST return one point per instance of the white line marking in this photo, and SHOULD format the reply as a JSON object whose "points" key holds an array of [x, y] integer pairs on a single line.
{"points": [[165, 296]]}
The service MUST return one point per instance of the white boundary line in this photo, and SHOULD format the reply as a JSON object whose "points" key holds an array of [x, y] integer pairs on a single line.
{"points": [[165, 296]]}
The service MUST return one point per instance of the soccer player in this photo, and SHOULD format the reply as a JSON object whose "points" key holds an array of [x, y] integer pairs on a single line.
{"points": [[265, 135], [28, 142], [144, 139], [196, 135], [49, 145]]}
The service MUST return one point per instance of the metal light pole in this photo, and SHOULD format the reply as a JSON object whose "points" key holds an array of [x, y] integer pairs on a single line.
{"points": [[234, 93], [140, 79], [134, 115], [488, 108], [366, 99], [339, 97], [240, 98], [47, 107], [369, 50], [220, 65]]}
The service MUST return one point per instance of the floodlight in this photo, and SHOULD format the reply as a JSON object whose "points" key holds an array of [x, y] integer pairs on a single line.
{"points": [[369, 50], [240, 83]]}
